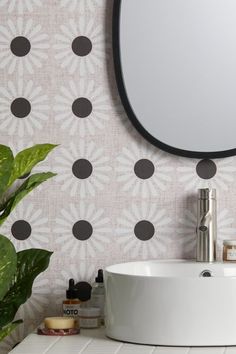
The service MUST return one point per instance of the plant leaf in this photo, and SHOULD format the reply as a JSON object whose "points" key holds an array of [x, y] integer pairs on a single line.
{"points": [[32, 182], [5, 331], [30, 263], [6, 163], [7, 265], [26, 159]]}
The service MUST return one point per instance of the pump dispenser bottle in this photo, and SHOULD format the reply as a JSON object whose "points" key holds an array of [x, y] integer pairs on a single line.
{"points": [[98, 294]]}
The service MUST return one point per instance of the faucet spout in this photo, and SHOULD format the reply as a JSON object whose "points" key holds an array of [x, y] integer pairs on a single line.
{"points": [[206, 225]]}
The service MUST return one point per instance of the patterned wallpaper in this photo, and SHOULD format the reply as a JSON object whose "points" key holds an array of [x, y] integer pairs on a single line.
{"points": [[116, 197]]}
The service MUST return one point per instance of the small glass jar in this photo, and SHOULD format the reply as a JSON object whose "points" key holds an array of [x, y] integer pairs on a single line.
{"points": [[90, 317], [229, 251]]}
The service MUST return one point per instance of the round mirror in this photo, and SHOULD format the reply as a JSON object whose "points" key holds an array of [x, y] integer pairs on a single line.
{"points": [[175, 63]]}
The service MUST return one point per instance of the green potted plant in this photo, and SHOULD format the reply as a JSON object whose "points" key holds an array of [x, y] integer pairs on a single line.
{"points": [[18, 269]]}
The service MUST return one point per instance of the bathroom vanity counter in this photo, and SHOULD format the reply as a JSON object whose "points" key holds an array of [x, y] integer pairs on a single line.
{"points": [[95, 342]]}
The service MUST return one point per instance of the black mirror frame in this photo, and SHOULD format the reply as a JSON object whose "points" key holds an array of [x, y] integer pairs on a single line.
{"points": [[129, 110]]}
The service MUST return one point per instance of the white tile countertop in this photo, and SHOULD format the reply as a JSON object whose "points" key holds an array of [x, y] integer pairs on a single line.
{"points": [[94, 341]]}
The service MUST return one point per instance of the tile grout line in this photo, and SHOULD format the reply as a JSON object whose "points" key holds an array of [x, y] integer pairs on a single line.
{"points": [[118, 349], [85, 346], [52, 345]]}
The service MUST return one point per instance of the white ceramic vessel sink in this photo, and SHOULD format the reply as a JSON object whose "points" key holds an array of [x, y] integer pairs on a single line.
{"points": [[170, 303]]}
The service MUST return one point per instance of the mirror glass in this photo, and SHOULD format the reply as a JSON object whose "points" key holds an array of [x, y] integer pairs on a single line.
{"points": [[175, 63]]}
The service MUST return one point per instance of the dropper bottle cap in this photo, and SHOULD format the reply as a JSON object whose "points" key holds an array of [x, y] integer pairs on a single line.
{"points": [[72, 291], [99, 278]]}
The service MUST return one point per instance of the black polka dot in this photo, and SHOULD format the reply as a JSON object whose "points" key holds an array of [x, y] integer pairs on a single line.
{"points": [[20, 107], [206, 169], [20, 46], [82, 107], [144, 230], [144, 168], [82, 230], [82, 168], [81, 46], [21, 230]]}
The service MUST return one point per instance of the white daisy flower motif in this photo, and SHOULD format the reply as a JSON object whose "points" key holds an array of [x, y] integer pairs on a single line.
{"points": [[83, 169], [19, 145], [81, 5], [143, 170], [22, 46], [144, 231], [126, 123], [83, 271], [187, 231], [123, 120], [26, 227], [207, 173], [23, 108], [20, 5], [83, 231], [81, 46], [81, 108]]}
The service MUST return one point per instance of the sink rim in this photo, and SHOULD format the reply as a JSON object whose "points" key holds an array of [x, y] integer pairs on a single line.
{"points": [[115, 271]]}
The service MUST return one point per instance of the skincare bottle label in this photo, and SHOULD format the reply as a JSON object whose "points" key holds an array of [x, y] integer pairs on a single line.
{"points": [[71, 310], [231, 254], [89, 322]]}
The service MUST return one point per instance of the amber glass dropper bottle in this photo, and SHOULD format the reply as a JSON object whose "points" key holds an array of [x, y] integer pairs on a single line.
{"points": [[72, 304]]}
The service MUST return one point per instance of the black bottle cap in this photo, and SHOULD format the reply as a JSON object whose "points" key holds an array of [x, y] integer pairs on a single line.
{"points": [[99, 278], [72, 291], [83, 290]]}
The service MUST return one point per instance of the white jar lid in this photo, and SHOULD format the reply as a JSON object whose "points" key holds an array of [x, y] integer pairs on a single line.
{"points": [[89, 312], [229, 242]]}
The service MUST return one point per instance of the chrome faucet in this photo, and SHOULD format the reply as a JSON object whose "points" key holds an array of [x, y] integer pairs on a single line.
{"points": [[206, 225]]}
